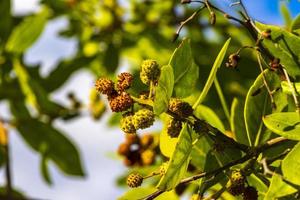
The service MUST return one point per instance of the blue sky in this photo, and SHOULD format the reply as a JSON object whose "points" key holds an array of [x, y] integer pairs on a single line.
{"points": [[95, 139]]}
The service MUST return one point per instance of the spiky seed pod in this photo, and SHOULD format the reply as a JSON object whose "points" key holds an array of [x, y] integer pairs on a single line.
{"points": [[163, 168], [237, 177], [236, 190], [120, 102], [233, 61], [127, 124], [124, 81], [148, 157], [237, 183], [134, 180], [149, 71], [174, 127], [105, 86], [124, 149], [180, 108], [250, 193], [143, 118], [146, 140]]}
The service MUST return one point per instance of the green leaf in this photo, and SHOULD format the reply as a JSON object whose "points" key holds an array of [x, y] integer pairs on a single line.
{"points": [[200, 153], [24, 79], [287, 89], [16, 193], [166, 143], [278, 188], [258, 104], [291, 165], [204, 112], [44, 170], [111, 58], [256, 182], [285, 46], [141, 193], [286, 15], [237, 121], [6, 20], [26, 33], [179, 160], [164, 90], [213, 73], [60, 149], [34, 93], [285, 124], [296, 23], [43, 138], [185, 70]]}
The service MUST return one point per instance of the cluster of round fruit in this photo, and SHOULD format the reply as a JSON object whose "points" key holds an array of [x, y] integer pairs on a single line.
{"points": [[121, 101], [237, 186], [138, 151]]}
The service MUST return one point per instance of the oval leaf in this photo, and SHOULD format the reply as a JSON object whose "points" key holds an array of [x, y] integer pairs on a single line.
{"points": [[179, 160], [185, 70], [26, 33], [258, 104], [164, 90], [285, 46], [291, 165], [237, 122], [285, 124], [213, 73]]}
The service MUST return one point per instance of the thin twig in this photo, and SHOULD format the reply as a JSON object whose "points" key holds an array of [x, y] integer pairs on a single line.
{"points": [[264, 79], [186, 21], [294, 94], [222, 99], [8, 178]]}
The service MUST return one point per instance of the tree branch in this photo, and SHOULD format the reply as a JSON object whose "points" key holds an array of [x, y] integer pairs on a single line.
{"points": [[271, 143]]}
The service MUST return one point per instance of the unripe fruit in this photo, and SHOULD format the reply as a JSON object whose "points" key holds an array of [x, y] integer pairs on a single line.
{"points": [[237, 177], [180, 108], [174, 127], [134, 180], [237, 180], [120, 102], [105, 86], [149, 71], [236, 190], [127, 124], [124, 81], [148, 157], [250, 193], [143, 118]]}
